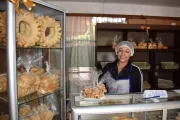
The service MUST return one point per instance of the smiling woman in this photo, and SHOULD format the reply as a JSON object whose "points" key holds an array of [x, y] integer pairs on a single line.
{"points": [[125, 76]]}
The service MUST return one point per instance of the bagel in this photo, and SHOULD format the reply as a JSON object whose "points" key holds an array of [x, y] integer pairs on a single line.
{"points": [[27, 29], [54, 31]]}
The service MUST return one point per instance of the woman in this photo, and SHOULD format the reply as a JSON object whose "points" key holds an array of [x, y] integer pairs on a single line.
{"points": [[125, 77]]}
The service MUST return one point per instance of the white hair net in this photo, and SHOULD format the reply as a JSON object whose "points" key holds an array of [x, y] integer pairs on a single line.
{"points": [[127, 44]]}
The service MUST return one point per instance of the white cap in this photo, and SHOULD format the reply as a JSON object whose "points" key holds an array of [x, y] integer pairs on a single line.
{"points": [[127, 44]]}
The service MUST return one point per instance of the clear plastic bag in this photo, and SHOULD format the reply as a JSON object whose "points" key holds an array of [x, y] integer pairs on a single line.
{"points": [[152, 45], [116, 40], [49, 82], [3, 83], [130, 39], [51, 101], [159, 43], [97, 89], [4, 117], [142, 45], [27, 82]]}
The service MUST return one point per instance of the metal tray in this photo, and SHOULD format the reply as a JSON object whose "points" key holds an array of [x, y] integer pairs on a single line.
{"points": [[142, 65], [169, 65]]}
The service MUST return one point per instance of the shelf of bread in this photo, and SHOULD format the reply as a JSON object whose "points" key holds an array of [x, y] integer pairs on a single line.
{"points": [[31, 83], [33, 31], [39, 112], [28, 98]]}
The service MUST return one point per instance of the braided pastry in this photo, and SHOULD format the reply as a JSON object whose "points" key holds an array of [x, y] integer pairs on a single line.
{"points": [[54, 27], [27, 29]]}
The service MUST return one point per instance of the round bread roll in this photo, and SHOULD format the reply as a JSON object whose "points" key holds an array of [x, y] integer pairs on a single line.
{"points": [[26, 80], [27, 29], [24, 110], [53, 27], [37, 70]]}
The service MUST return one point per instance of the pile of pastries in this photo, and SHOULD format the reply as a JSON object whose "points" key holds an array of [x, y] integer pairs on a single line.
{"points": [[151, 45], [34, 81], [96, 92], [43, 31], [4, 117], [146, 85], [3, 83], [40, 112], [123, 118]]}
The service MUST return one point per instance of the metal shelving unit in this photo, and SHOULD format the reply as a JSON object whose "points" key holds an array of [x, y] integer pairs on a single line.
{"points": [[45, 9]]}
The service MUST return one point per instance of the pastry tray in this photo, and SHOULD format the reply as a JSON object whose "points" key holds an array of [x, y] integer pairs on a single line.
{"points": [[142, 65], [169, 65]]}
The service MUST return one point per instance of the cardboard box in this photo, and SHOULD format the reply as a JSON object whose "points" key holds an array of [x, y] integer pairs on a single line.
{"points": [[136, 21], [156, 21]]}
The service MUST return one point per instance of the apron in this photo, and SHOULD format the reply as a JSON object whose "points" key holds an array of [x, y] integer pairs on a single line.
{"points": [[119, 86]]}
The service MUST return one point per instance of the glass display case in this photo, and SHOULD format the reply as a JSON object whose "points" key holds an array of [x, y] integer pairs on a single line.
{"points": [[32, 46], [130, 106]]}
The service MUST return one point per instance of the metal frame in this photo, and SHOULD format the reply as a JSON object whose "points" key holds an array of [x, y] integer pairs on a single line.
{"points": [[11, 60], [77, 111]]}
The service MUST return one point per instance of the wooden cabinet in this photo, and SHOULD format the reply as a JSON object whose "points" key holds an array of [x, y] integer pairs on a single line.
{"points": [[170, 36]]}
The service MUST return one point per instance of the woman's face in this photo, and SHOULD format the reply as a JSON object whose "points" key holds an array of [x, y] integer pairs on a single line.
{"points": [[124, 54]]}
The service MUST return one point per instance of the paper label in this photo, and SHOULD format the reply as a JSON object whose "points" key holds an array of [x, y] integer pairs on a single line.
{"points": [[155, 93]]}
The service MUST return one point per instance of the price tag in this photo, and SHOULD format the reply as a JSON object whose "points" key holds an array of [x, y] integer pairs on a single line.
{"points": [[155, 94]]}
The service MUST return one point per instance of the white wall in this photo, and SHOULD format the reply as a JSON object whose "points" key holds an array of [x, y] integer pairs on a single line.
{"points": [[122, 9]]}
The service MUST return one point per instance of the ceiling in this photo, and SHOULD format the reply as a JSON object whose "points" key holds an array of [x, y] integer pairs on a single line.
{"points": [[170, 3]]}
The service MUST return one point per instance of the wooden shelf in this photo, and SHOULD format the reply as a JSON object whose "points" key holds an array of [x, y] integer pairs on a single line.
{"points": [[109, 49], [136, 27]]}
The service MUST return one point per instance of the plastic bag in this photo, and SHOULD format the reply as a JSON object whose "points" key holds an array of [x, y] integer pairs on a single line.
{"points": [[142, 45], [27, 82], [152, 45], [49, 82], [116, 40], [51, 101], [3, 83], [130, 39], [4, 117], [97, 89]]}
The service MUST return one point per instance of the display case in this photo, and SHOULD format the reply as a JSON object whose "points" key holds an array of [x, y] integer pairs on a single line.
{"points": [[35, 37], [131, 106]]}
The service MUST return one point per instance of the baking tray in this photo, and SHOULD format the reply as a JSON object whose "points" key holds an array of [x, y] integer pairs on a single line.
{"points": [[169, 65], [142, 65]]}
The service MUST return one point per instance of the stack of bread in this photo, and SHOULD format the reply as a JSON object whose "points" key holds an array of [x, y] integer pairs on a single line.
{"points": [[31, 31], [4, 117], [96, 92], [3, 83], [146, 85], [123, 118], [37, 70], [40, 112], [142, 45], [27, 83], [152, 45], [48, 83]]}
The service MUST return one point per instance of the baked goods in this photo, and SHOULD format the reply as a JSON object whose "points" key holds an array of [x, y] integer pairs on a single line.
{"points": [[24, 110], [3, 83], [96, 92], [27, 84], [142, 45], [53, 28], [2, 28], [37, 70], [110, 102], [123, 118], [48, 83], [4, 117], [152, 45], [146, 85], [27, 29]]}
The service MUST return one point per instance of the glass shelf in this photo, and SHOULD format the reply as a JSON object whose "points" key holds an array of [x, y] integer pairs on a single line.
{"points": [[34, 47], [28, 98]]}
